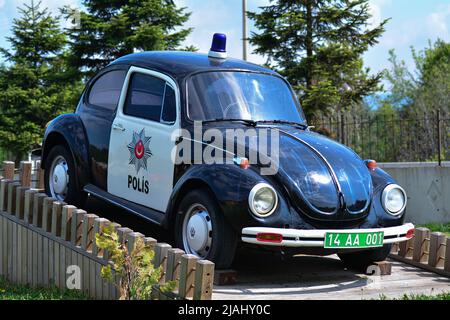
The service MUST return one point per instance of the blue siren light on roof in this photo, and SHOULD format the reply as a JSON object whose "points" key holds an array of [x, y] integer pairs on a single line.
{"points": [[219, 46]]}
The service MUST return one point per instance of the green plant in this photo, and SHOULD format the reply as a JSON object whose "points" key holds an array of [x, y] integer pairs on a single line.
{"points": [[440, 227], [10, 291], [137, 274]]}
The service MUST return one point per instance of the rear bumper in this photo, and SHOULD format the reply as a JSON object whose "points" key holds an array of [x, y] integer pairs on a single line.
{"points": [[315, 238]]}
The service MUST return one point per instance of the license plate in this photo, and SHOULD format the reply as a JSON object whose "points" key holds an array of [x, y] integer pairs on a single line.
{"points": [[354, 240]]}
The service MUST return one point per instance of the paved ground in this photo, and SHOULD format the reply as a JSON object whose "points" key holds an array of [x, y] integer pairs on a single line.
{"points": [[268, 276]]}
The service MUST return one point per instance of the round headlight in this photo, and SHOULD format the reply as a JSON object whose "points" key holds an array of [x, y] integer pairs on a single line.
{"points": [[263, 200], [394, 199]]}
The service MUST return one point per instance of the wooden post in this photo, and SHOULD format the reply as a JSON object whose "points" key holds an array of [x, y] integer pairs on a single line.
{"points": [[8, 170], [187, 275], [66, 221], [150, 242], [160, 259], [122, 232], [132, 239], [28, 205], [47, 208], [113, 287], [20, 202], [421, 244], [38, 204], [56, 218], [25, 174], [173, 264], [106, 252], [204, 278], [76, 228], [4, 194], [11, 207], [447, 255], [437, 249], [40, 176], [87, 236], [99, 224]]}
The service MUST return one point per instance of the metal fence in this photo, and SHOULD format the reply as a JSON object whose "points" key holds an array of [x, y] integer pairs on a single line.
{"points": [[391, 138]]}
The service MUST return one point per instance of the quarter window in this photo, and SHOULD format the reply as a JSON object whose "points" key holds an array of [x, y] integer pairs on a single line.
{"points": [[150, 98], [105, 92]]}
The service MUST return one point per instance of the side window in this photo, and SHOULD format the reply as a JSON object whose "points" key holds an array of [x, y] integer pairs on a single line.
{"points": [[150, 98], [105, 92], [169, 113]]}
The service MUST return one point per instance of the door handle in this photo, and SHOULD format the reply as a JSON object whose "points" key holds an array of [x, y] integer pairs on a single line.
{"points": [[118, 126]]}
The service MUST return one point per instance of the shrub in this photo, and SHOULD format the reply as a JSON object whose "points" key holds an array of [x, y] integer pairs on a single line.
{"points": [[136, 271]]}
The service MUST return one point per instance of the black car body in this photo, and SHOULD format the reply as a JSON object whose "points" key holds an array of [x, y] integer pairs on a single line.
{"points": [[115, 147]]}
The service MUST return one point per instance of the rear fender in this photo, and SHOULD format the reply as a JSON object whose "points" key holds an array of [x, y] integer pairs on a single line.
{"points": [[68, 130]]}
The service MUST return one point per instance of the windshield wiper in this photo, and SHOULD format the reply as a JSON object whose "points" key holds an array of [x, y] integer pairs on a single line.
{"points": [[291, 123], [246, 121]]}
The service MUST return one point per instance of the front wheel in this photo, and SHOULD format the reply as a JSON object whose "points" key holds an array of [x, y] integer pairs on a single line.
{"points": [[201, 229], [362, 259], [59, 177]]}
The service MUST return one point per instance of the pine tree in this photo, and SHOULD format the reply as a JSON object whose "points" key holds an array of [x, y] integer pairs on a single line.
{"points": [[35, 83], [318, 45], [111, 29]]}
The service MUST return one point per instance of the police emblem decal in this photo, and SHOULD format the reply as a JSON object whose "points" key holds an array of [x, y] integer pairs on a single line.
{"points": [[140, 150]]}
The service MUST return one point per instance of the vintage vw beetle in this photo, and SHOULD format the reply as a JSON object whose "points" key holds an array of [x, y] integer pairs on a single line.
{"points": [[124, 141]]}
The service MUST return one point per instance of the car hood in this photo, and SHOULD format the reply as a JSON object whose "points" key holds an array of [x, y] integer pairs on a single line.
{"points": [[325, 179]]}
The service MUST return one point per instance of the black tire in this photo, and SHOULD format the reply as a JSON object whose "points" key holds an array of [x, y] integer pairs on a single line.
{"points": [[362, 259], [75, 195], [224, 238]]}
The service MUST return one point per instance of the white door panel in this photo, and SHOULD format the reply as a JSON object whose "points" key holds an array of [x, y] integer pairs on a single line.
{"points": [[140, 168]]}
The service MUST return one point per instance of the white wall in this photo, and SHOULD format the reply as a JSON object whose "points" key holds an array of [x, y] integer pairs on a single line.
{"points": [[428, 189]]}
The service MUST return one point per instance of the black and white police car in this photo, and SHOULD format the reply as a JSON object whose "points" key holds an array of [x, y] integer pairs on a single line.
{"points": [[122, 145]]}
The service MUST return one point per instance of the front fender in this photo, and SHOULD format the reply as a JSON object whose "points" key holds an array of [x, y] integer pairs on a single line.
{"points": [[68, 129], [231, 186]]}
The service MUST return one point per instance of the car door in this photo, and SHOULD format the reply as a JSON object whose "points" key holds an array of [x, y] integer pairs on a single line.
{"points": [[96, 110], [140, 168]]}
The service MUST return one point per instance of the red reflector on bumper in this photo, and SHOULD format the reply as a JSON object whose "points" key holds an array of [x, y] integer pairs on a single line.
{"points": [[269, 237], [410, 234]]}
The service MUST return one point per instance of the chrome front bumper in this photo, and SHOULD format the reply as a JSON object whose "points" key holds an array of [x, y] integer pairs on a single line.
{"points": [[315, 237]]}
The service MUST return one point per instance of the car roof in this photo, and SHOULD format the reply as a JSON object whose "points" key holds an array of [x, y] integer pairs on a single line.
{"points": [[180, 64]]}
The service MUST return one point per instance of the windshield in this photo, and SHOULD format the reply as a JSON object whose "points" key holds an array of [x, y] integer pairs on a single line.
{"points": [[241, 95]]}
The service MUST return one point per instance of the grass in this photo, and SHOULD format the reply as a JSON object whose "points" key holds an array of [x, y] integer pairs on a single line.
{"points": [[441, 227], [440, 296], [9, 291]]}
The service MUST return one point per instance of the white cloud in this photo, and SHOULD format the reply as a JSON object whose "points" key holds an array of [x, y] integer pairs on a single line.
{"points": [[438, 23], [376, 7], [2, 3]]}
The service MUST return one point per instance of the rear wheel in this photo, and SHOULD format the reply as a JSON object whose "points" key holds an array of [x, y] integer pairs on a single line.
{"points": [[362, 259], [201, 230], [60, 178]]}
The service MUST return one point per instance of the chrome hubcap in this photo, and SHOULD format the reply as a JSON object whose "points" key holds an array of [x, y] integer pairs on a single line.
{"points": [[59, 178], [197, 231]]}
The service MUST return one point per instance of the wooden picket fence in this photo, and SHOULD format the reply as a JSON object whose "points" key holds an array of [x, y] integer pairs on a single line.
{"points": [[41, 240], [427, 250]]}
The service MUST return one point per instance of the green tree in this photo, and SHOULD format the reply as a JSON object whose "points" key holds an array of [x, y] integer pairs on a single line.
{"points": [[318, 45], [35, 83], [111, 29], [427, 87]]}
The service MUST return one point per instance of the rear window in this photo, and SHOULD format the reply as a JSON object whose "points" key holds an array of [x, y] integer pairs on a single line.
{"points": [[105, 92]]}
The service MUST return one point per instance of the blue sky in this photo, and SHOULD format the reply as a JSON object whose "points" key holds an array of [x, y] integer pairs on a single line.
{"points": [[413, 23]]}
